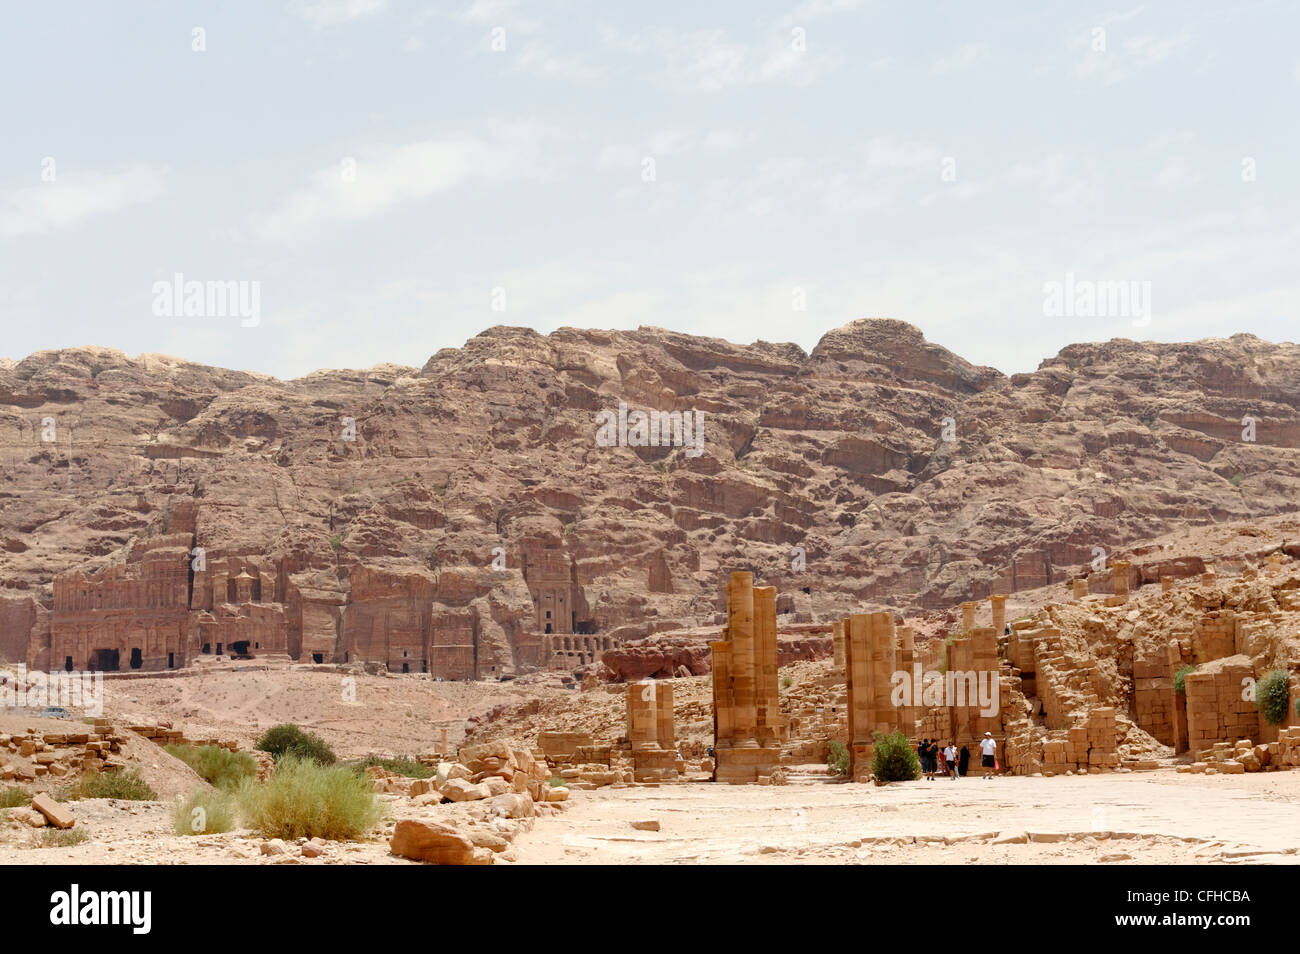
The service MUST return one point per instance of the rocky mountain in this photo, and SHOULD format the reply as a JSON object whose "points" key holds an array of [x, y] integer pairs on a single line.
{"points": [[501, 494]]}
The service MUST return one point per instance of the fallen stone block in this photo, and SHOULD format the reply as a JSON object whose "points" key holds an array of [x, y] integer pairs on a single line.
{"points": [[436, 843], [459, 790], [54, 813], [511, 805]]}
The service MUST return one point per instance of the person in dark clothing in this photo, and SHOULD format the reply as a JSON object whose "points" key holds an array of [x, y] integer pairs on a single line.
{"points": [[963, 761]]}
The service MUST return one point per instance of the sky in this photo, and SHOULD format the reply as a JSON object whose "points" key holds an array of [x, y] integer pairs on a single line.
{"points": [[381, 179]]}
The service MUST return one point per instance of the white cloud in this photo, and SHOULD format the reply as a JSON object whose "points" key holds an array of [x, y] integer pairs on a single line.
{"points": [[711, 61], [328, 13], [967, 56], [541, 59], [1059, 177], [726, 140], [1177, 174], [888, 152], [1135, 54], [389, 176], [72, 198]]}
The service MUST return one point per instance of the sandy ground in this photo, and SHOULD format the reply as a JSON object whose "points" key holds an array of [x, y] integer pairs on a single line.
{"points": [[393, 714], [1167, 818], [1140, 818]]}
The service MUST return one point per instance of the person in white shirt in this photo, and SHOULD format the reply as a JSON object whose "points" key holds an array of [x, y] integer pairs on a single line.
{"points": [[950, 754], [987, 749]]}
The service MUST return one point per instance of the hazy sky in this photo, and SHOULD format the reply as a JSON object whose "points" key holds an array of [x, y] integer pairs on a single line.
{"points": [[396, 177]]}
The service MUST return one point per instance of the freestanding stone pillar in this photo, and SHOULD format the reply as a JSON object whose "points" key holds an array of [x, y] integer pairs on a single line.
{"points": [[968, 616], [837, 634], [740, 631], [870, 660], [1080, 589], [768, 724], [1119, 577], [746, 706], [650, 730], [998, 601]]}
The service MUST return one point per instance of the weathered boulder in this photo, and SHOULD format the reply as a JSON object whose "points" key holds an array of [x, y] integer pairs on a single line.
{"points": [[436, 843], [459, 790]]}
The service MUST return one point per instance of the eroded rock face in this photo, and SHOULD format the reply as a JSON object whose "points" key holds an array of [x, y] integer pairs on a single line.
{"points": [[464, 519]]}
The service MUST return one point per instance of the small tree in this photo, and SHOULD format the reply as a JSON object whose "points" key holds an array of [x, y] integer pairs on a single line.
{"points": [[837, 757], [1180, 679], [1272, 693], [893, 758]]}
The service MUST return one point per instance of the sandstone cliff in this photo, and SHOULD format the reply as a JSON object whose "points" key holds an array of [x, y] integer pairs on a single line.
{"points": [[459, 510]]}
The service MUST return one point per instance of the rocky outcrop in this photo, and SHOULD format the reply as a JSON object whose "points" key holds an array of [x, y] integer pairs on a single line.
{"points": [[456, 516]]}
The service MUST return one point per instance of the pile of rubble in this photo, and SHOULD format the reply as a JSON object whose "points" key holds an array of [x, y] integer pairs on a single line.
{"points": [[502, 789], [36, 753], [1234, 758]]}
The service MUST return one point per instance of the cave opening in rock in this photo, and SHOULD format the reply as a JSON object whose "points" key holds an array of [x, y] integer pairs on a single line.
{"points": [[104, 660]]}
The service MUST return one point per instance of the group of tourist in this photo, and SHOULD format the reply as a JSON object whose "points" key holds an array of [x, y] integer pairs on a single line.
{"points": [[954, 764]]}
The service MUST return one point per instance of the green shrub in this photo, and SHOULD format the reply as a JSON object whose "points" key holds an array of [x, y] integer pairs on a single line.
{"points": [[402, 766], [1180, 679], [288, 739], [215, 765], [205, 812], [125, 784], [557, 782], [1272, 693], [14, 797], [893, 758], [787, 682], [63, 837], [304, 799], [837, 757]]}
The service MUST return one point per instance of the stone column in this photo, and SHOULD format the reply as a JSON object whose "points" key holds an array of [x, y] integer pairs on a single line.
{"points": [[650, 730], [1166, 584], [906, 657], [768, 721], [998, 602], [984, 661], [740, 632], [665, 732], [724, 726], [884, 660], [857, 678], [1119, 577], [642, 713], [1080, 589], [968, 616], [837, 634]]}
